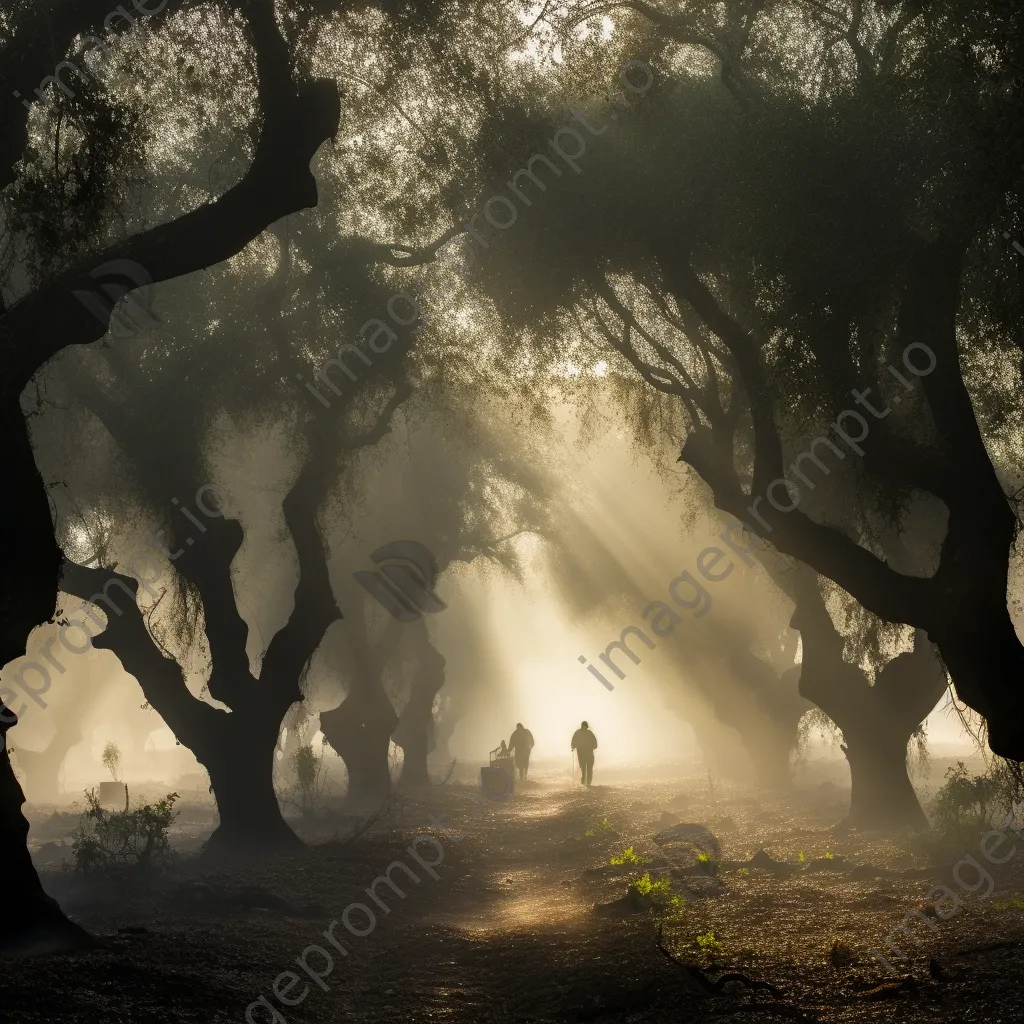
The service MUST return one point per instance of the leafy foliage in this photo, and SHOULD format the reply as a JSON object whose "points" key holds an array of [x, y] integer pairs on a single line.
{"points": [[628, 856], [967, 803], [111, 759], [311, 785], [659, 893], [87, 152], [707, 861], [815, 723], [710, 946], [113, 840]]}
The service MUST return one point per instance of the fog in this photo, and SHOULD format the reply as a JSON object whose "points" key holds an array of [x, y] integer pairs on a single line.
{"points": [[513, 510], [630, 530]]}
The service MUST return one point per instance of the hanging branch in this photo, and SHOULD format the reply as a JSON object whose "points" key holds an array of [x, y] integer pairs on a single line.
{"points": [[295, 123]]}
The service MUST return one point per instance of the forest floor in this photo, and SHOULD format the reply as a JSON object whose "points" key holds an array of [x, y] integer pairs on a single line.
{"points": [[508, 931]]}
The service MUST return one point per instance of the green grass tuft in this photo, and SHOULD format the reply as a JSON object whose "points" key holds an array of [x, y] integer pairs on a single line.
{"points": [[710, 946], [629, 856], [659, 893]]}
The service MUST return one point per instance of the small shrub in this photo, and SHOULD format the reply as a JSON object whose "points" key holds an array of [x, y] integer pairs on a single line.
{"points": [[743, 872], [710, 946], [311, 785], [801, 857], [968, 803], [659, 893], [705, 860], [828, 855], [628, 856], [111, 758], [602, 826], [111, 840]]}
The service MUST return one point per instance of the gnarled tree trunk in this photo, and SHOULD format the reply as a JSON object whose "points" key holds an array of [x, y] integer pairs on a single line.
{"points": [[876, 721], [415, 731], [746, 696], [240, 760], [236, 747], [359, 730], [42, 767], [295, 121], [30, 920], [769, 753], [977, 650], [767, 718], [881, 793], [962, 603], [415, 736]]}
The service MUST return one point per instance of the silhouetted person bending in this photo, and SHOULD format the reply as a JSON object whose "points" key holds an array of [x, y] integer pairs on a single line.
{"points": [[584, 742], [521, 743]]}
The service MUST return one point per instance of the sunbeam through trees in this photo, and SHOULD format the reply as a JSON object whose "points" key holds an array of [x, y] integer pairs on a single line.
{"points": [[400, 396]]}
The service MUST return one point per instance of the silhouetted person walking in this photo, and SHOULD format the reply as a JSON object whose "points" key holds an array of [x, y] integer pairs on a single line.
{"points": [[521, 743], [584, 742]]}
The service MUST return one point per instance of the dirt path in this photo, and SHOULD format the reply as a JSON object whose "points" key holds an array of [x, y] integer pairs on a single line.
{"points": [[507, 931]]}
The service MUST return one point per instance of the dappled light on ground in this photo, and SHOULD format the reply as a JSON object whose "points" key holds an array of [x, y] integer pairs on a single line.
{"points": [[528, 918]]}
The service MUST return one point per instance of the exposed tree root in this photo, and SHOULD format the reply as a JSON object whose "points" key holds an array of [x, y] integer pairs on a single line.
{"points": [[717, 986]]}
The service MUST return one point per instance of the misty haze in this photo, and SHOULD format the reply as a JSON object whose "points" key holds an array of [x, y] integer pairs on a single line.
{"points": [[513, 511]]}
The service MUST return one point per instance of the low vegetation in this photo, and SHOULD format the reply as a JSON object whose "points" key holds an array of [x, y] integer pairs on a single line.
{"points": [[659, 893], [710, 946], [968, 804], [707, 861], [111, 759], [134, 839], [311, 783], [628, 856]]}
